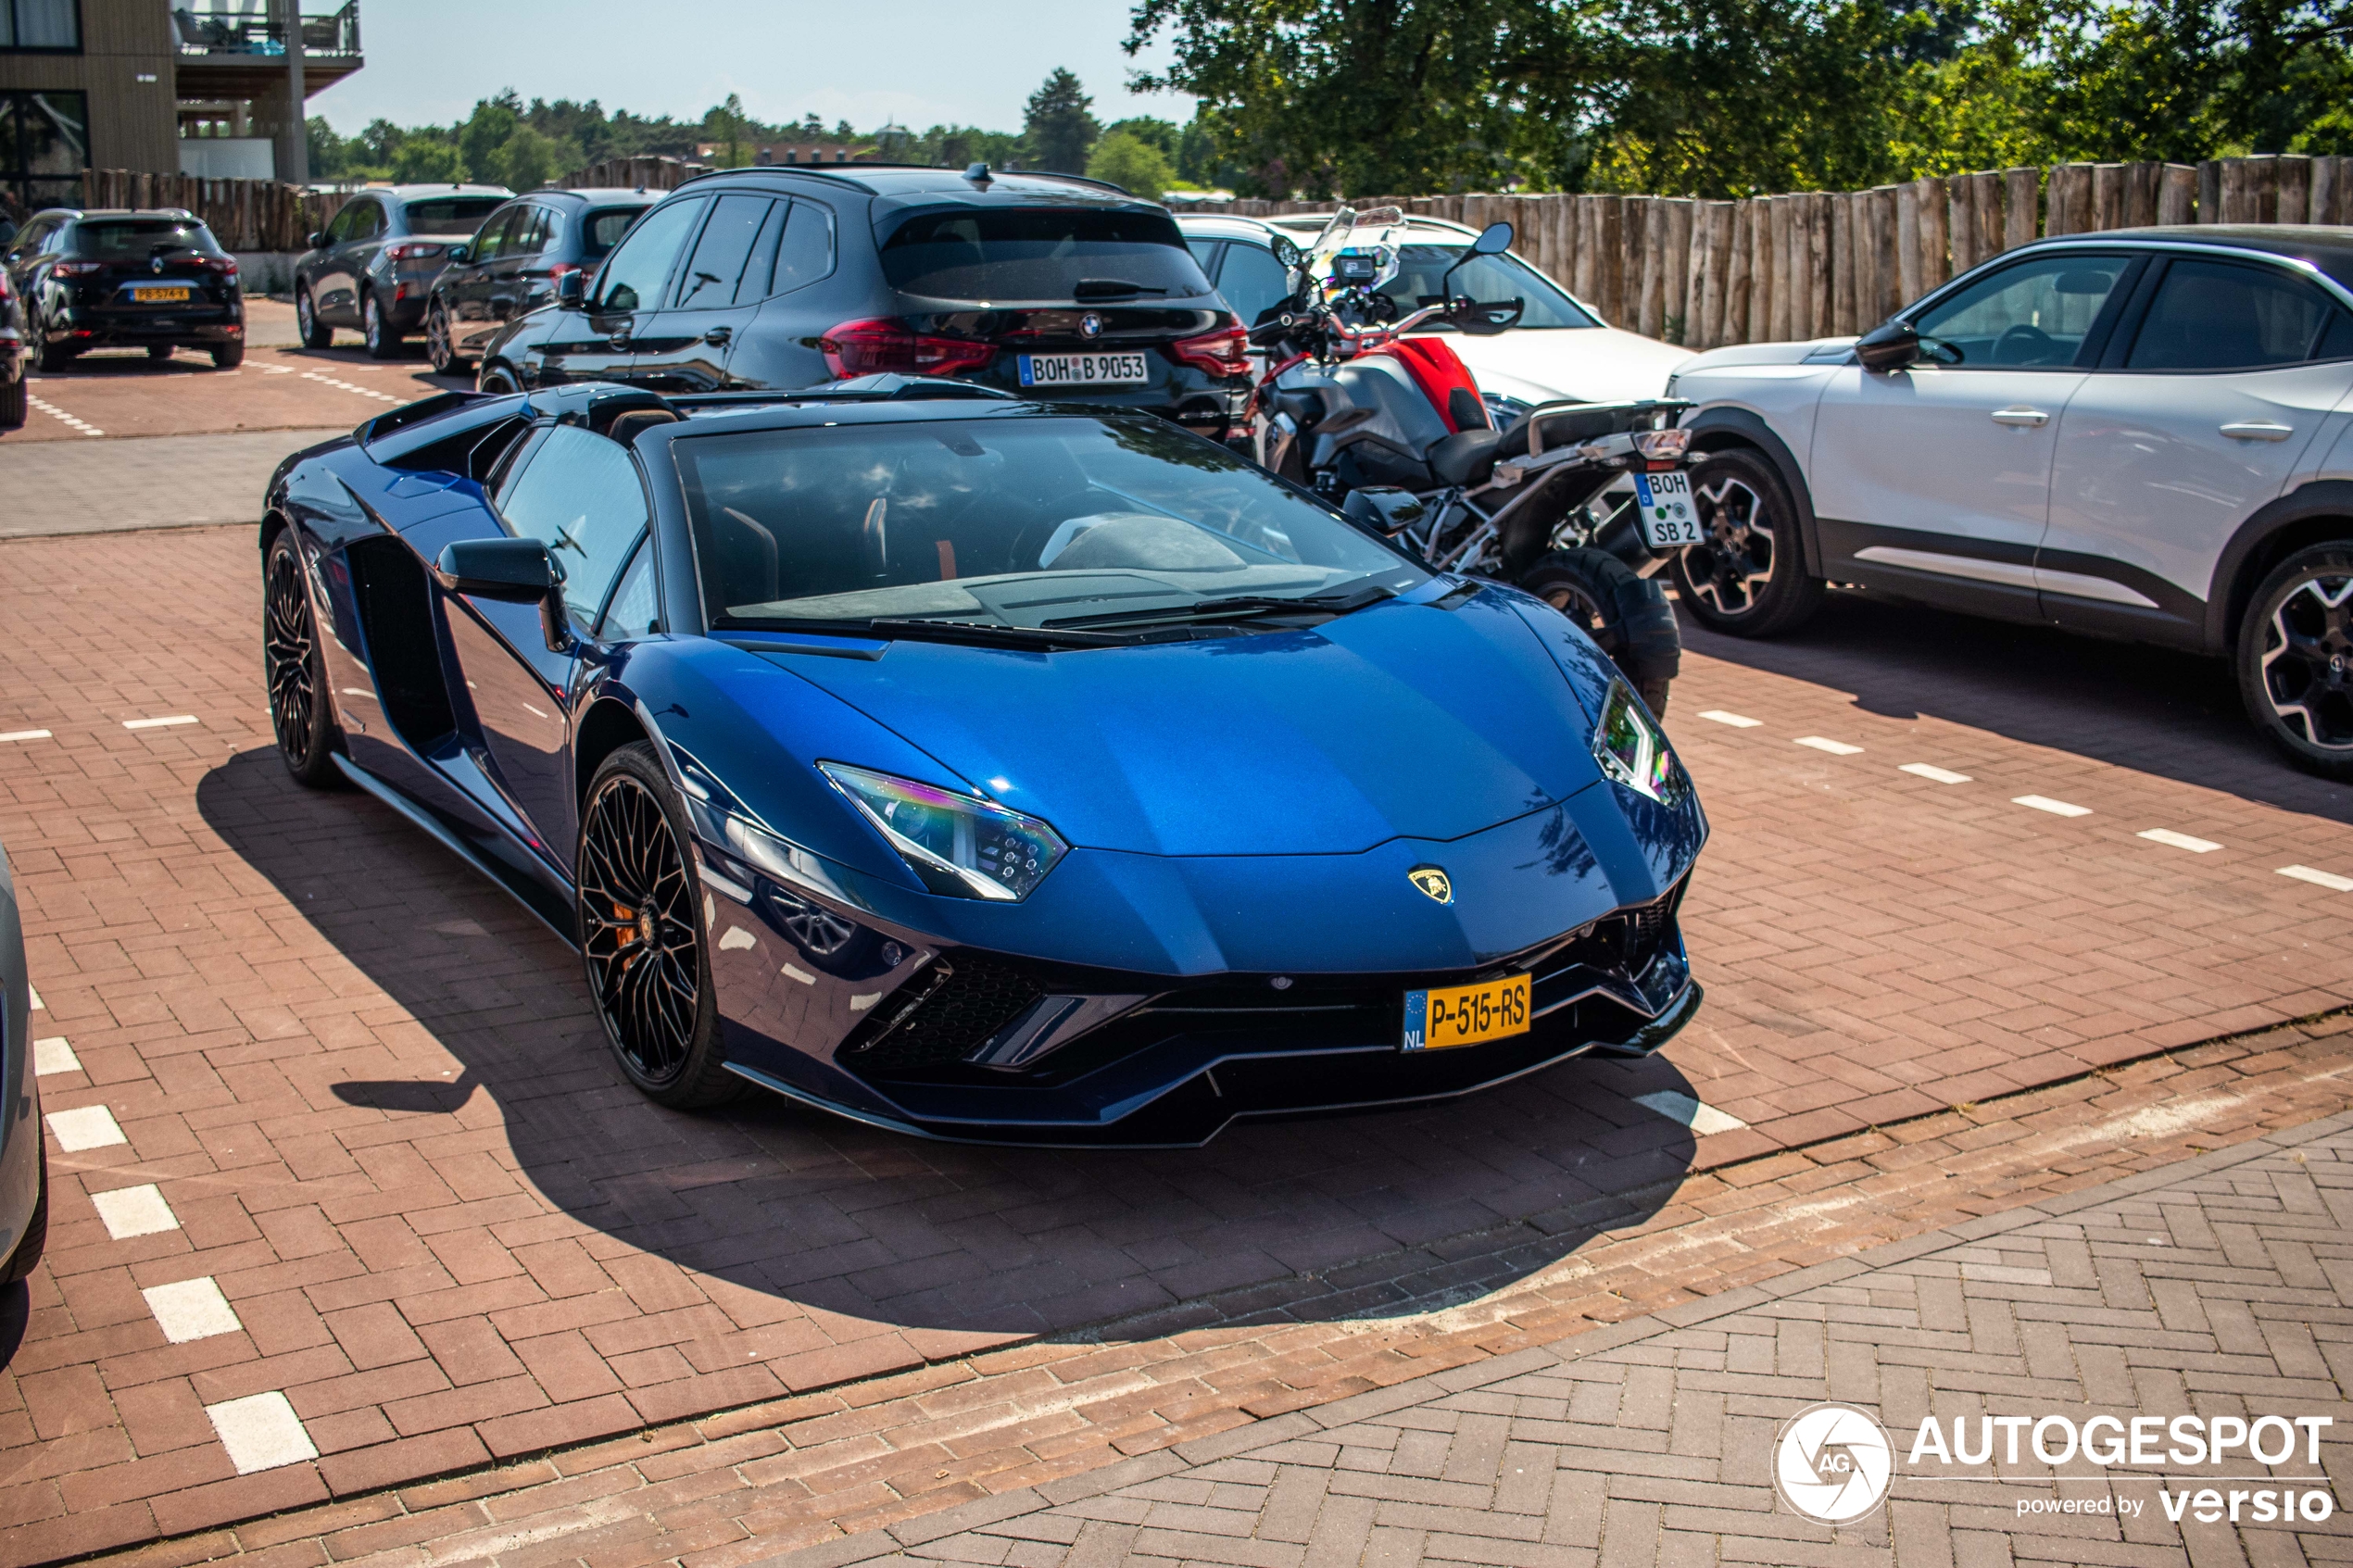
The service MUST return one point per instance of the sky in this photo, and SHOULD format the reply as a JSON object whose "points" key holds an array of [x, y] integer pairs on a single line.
{"points": [[919, 62]]}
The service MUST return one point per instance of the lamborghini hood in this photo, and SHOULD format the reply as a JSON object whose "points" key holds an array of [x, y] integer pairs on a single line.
{"points": [[1399, 720]]}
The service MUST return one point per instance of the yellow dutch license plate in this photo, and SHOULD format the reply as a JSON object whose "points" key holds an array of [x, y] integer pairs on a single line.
{"points": [[158, 296], [1464, 1015]]}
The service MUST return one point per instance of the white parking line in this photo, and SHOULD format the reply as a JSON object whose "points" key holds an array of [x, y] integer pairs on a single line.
{"points": [[87, 1126], [139, 1211], [54, 1055], [2178, 840], [2056, 808], [261, 1431], [348, 387], [1738, 722], [1836, 748], [79, 426], [2329, 880], [192, 1309], [165, 723], [36, 992], [24, 734], [1934, 774], [1698, 1115]]}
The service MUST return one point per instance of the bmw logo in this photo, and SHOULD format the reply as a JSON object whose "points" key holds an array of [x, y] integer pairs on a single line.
{"points": [[1090, 325]]}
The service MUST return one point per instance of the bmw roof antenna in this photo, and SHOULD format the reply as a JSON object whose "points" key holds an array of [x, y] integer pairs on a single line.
{"points": [[978, 174]]}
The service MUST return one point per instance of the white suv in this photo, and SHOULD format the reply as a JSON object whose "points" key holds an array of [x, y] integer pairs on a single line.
{"points": [[2140, 434]]}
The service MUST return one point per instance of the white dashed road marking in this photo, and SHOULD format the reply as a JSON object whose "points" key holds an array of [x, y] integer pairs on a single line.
{"points": [[1933, 774], [1836, 748], [1718, 716], [2329, 880], [79, 426], [2056, 808], [159, 723], [1699, 1116], [54, 1055], [348, 387], [261, 1431], [36, 992], [139, 1211], [24, 734], [192, 1309], [2180, 840], [88, 1126]]}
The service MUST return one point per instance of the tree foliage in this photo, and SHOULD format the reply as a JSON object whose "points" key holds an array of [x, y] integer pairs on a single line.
{"points": [[1056, 128], [1128, 160]]}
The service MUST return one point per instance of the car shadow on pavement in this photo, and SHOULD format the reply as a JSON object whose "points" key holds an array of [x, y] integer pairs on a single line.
{"points": [[2155, 710], [1345, 1217]]}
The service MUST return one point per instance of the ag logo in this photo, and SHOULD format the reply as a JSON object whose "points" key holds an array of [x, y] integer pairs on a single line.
{"points": [[1831, 1464], [1432, 880]]}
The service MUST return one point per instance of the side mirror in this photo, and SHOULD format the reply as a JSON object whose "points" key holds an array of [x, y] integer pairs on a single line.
{"points": [[572, 289], [1888, 347], [512, 572], [460, 256], [1493, 240], [1384, 509], [316, 240]]}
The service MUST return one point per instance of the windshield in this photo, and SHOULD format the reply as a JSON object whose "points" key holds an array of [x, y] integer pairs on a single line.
{"points": [[136, 238], [450, 215], [1421, 266], [1041, 253], [1010, 523]]}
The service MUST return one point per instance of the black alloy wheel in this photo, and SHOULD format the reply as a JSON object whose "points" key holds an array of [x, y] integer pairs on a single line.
{"points": [[294, 666], [439, 348], [1626, 616], [641, 936], [1748, 576], [2294, 658], [16, 401], [314, 333], [46, 355], [376, 333]]}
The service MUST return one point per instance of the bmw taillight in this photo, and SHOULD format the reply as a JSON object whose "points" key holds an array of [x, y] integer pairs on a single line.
{"points": [[413, 250], [1223, 352], [879, 346]]}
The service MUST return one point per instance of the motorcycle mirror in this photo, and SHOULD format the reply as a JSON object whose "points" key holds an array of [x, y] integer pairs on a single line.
{"points": [[1384, 509], [1888, 347], [1286, 250], [1493, 240]]}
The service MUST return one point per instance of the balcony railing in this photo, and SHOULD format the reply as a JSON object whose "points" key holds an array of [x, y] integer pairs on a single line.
{"points": [[216, 33]]}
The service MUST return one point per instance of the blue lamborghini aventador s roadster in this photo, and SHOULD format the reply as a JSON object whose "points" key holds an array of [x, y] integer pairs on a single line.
{"points": [[977, 768]]}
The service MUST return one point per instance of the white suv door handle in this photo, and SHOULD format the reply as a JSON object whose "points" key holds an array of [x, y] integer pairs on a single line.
{"points": [[2031, 419], [2257, 430]]}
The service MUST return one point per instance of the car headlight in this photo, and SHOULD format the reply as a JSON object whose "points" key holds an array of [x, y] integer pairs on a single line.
{"points": [[957, 844], [1631, 750]]}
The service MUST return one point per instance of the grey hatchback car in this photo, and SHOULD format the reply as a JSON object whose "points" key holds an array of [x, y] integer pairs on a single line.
{"points": [[372, 267]]}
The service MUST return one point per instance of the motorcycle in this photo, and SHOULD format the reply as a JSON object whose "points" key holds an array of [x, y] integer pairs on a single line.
{"points": [[1580, 504]]}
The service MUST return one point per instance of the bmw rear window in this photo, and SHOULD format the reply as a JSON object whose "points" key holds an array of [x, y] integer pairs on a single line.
{"points": [[134, 239], [451, 215], [1002, 253]]}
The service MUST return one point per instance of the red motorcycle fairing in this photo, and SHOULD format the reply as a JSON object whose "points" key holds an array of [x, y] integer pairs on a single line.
{"points": [[1444, 380]]}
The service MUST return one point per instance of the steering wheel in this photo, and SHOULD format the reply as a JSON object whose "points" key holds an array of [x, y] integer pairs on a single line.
{"points": [[2037, 343]]}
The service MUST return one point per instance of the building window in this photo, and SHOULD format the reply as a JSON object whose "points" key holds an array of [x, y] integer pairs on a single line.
{"points": [[40, 24], [44, 144]]}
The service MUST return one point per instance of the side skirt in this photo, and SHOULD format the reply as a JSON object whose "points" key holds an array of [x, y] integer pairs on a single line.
{"points": [[530, 896]]}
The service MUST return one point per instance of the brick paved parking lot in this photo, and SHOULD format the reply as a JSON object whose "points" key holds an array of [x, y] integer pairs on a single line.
{"points": [[347, 1197]]}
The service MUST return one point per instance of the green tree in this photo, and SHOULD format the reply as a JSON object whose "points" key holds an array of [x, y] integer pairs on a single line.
{"points": [[1057, 131], [1128, 160], [422, 160], [1163, 136], [725, 124], [484, 134], [531, 159]]}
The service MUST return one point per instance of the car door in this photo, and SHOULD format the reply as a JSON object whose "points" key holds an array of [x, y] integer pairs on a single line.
{"points": [[2199, 419], [348, 261], [1936, 479], [329, 279], [779, 349], [508, 277], [466, 288], [597, 342], [580, 495], [685, 347]]}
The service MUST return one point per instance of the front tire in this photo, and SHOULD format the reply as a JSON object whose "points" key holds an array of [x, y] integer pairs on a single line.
{"points": [[49, 358], [1627, 616], [314, 333], [2294, 658], [383, 343], [497, 379], [228, 357], [295, 668], [642, 939], [1749, 577]]}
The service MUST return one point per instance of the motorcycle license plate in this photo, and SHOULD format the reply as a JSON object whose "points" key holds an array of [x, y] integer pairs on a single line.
{"points": [[1670, 521], [154, 296], [1082, 369], [1464, 1015]]}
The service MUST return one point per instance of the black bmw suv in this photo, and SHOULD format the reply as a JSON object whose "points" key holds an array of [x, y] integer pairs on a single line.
{"points": [[1044, 285], [153, 279]]}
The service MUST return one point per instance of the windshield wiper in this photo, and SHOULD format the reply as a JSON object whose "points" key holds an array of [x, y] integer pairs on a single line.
{"points": [[989, 635], [1108, 288], [1240, 607]]}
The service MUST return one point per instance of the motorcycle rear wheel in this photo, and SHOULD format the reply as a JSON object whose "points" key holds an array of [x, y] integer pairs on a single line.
{"points": [[1627, 616]]}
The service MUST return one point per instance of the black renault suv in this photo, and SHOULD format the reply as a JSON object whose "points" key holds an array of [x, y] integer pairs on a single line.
{"points": [[153, 279], [1040, 284]]}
